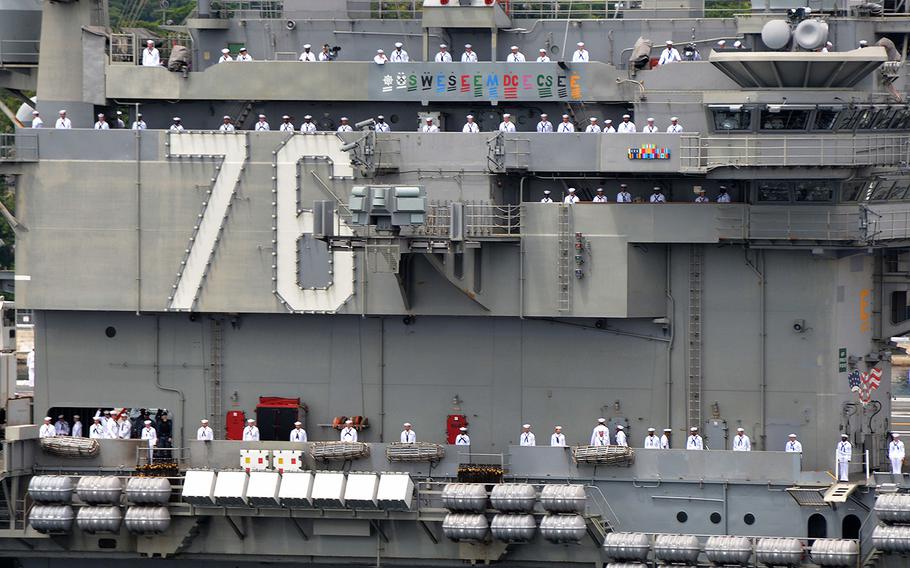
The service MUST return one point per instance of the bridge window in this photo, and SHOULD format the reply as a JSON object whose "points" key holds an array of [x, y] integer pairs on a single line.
{"points": [[850, 190], [784, 119], [899, 191], [883, 119], [732, 118], [847, 119], [883, 190], [866, 118], [900, 312], [900, 120], [814, 190], [825, 119], [773, 191]]}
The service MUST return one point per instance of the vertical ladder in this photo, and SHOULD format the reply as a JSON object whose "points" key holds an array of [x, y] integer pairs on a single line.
{"points": [[215, 375], [563, 268], [696, 273], [245, 111]]}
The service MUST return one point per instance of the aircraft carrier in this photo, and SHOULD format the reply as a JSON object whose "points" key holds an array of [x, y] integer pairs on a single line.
{"points": [[401, 276]]}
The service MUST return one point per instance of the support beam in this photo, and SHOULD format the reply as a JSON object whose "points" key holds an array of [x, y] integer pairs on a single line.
{"points": [[240, 534]]}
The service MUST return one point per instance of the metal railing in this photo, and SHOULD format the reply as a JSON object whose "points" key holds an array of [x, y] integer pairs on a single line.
{"points": [[573, 10], [18, 147], [395, 10], [123, 49], [480, 220], [704, 153], [19, 51], [248, 9]]}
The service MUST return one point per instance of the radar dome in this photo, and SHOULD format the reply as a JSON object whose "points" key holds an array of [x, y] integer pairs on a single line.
{"points": [[811, 34], [776, 34]]}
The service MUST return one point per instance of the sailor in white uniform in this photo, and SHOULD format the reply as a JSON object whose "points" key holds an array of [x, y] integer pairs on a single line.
{"points": [[120, 123], [650, 128], [443, 56], [558, 439], [344, 126], [243, 55], [694, 441], [177, 124], [325, 54], [507, 125], [125, 428], [544, 125], [205, 433], [429, 127], [47, 429], [251, 431], [151, 436], [150, 55], [702, 198], [399, 55], [381, 124], [565, 126], [101, 123], [543, 58], [581, 54], [111, 429], [896, 453], [380, 57], [665, 439], [286, 124], [623, 196], [298, 434], [844, 456], [307, 126], [36, 120], [470, 126], [61, 426], [657, 196], [593, 128], [515, 56], [77, 426], [600, 197], [741, 442], [262, 124], [225, 56], [63, 122], [793, 446], [408, 435], [546, 197], [652, 442], [601, 438], [626, 126], [226, 124], [527, 437], [307, 56], [348, 433], [96, 430], [675, 127], [571, 199], [600, 428], [723, 196], [469, 55], [669, 54], [462, 439], [139, 124], [621, 436], [608, 127]]}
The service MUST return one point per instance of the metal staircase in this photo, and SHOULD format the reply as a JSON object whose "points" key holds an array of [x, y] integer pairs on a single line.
{"points": [[215, 410], [696, 269], [245, 111], [563, 268]]}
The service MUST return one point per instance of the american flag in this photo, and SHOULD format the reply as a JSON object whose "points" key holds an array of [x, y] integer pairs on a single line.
{"points": [[873, 379], [854, 379], [868, 383]]}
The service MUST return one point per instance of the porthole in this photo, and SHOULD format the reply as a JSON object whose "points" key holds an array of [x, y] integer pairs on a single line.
{"points": [[682, 516], [107, 543], [715, 517], [111, 331], [749, 519]]}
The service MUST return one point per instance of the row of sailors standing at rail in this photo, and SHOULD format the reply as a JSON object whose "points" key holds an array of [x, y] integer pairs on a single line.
{"points": [[623, 196]]}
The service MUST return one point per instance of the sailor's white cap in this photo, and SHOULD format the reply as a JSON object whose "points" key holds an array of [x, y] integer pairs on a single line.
{"points": [[668, 429], [651, 430], [544, 115], [791, 435], [546, 192], [34, 113], [176, 119], [406, 424], [525, 425], [737, 43], [225, 51], [96, 418], [380, 117], [619, 427], [469, 116], [242, 49], [138, 115], [107, 411], [542, 50], [507, 115], [608, 121], [147, 422], [380, 50], [250, 420], [398, 44], [100, 115], [844, 435], [601, 420], [307, 46], [829, 44], [62, 111], [261, 116], [467, 46], [429, 119], [462, 429], [285, 117], [600, 190], [650, 119], [740, 430], [298, 423], [571, 190], [204, 421], [514, 47], [47, 418], [674, 118], [150, 41], [226, 117], [307, 117], [656, 188], [895, 435], [580, 44], [863, 42], [119, 113], [60, 417], [442, 46], [565, 116], [626, 116], [693, 429], [557, 427], [348, 421], [669, 42], [343, 119], [722, 42], [593, 119]]}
